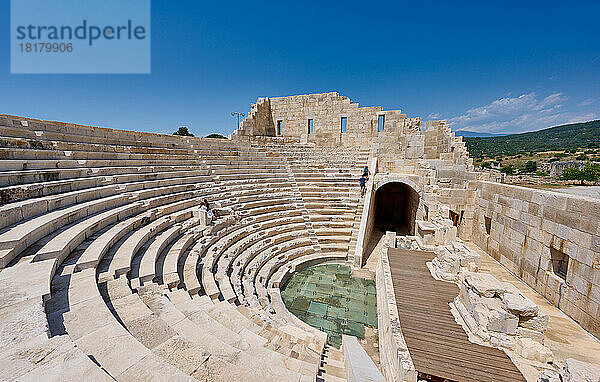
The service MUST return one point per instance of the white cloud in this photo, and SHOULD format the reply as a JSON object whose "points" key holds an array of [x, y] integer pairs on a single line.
{"points": [[586, 102], [434, 116], [582, 118], [526, 112]]}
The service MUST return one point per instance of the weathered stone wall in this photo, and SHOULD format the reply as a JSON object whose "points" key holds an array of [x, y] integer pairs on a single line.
{"points": [[326, 111], [264, 124], [402, 146], [555, 169], [394, 358], [526, 224]]}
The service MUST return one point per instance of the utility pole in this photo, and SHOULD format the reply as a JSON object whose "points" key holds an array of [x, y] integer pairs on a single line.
{"points": [[235, 113]]}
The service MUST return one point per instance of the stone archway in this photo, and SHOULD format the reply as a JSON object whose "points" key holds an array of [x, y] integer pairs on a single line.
{"points": [[396, 205]]}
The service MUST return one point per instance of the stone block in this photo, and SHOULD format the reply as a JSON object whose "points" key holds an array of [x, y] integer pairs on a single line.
{"points": [[113, 347], [550, 376], [501, 321], [538, 323], [533, 334], [534, 351], [447, 266], [578, 371], [519, 305], [484, 284]]}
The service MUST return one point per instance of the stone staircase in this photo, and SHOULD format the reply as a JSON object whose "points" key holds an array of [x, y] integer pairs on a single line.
{"points": [[330, 190], [332, 366], [305, 213], [355, 228]]}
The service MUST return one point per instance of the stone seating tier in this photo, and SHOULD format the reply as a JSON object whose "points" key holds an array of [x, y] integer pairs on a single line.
{"points": [[47, 176], [61, 145], [125, 274]]}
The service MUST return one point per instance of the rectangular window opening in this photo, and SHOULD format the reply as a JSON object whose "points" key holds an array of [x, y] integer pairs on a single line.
{"points": [[279, 127], [381, 123], [560, 263], [343, 123], [311, 126], [488, 224]]}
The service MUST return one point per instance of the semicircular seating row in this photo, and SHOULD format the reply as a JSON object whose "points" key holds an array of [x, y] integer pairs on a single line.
{"points": [[107, 273]]}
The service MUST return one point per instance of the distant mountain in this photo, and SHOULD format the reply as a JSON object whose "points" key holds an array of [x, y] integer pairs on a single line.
{"points": [[562, 137], [465, 133]]}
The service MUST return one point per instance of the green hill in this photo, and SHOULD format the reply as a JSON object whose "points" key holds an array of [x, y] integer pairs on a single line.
{"points": [[563, 137]]}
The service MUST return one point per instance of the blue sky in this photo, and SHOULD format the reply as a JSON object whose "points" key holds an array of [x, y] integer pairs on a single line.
{"points": [[486, 66]]}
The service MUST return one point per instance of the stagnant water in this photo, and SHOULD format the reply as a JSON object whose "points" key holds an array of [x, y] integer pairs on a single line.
{"points": [[326, 297]]}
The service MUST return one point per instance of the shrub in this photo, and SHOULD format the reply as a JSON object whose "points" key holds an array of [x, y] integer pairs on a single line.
{"points": [[530, 166], [183, 131], [508, 170], [591, 173], [215, 135]]}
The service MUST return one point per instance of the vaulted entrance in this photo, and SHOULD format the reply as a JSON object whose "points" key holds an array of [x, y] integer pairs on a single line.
{"points": [[396, 208]]}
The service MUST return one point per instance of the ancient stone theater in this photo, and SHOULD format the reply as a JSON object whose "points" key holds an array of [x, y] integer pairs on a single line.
{"points": [[322, 241]]}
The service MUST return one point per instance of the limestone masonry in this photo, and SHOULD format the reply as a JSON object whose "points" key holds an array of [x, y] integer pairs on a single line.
{"points": [[109, 268]]}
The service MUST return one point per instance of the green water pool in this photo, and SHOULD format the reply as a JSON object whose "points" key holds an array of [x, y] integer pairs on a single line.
{"points": [[326, 297]]}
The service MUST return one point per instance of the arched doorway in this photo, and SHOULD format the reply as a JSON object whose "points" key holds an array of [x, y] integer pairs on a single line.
{"points": [[395, 210]]}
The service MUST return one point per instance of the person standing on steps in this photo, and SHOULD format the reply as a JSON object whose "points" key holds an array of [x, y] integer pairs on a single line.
{"points": [[211, 210], [366, 172], [363, 185]]}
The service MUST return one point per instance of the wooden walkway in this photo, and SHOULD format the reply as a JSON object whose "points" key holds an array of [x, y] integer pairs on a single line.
{"points": [[439, 347]]}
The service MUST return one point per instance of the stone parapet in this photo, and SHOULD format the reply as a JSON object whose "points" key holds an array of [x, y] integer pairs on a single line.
{"points": [[395, 360]]}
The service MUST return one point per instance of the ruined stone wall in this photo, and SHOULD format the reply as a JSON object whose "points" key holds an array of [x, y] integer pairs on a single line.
{"points": [[441, 202], [264, 124], [408, 150], [412, 204], [399, 149], [526, 224], [326, 111], [402, 147]]}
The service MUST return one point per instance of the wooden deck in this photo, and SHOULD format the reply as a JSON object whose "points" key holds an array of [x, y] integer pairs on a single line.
{"points": [[439, 347]]}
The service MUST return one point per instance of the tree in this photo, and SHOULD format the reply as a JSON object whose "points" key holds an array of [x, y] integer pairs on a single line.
{"points": [[508, 170], [590, 173], [183, 131], [530, 167], [214, 135]]}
